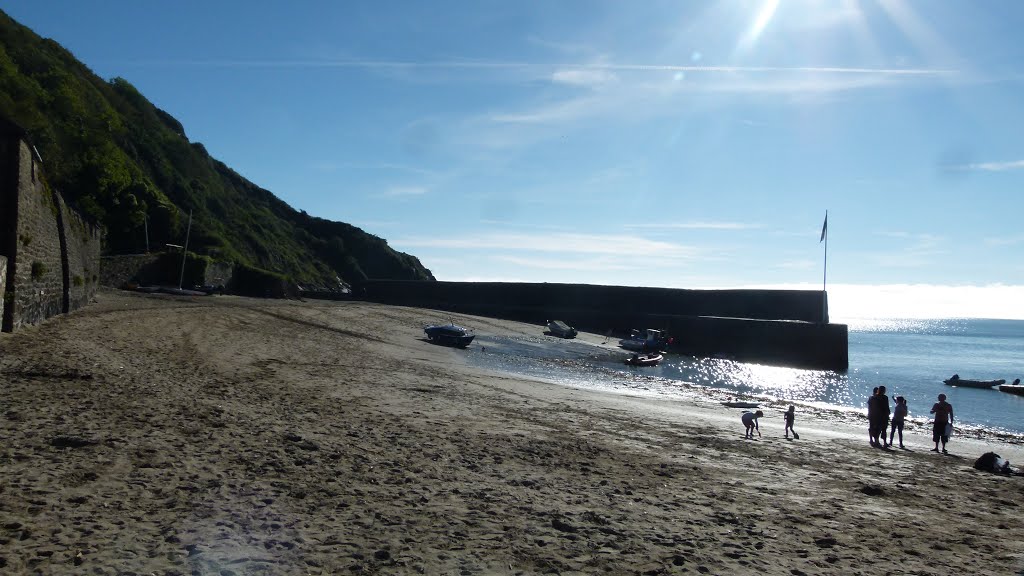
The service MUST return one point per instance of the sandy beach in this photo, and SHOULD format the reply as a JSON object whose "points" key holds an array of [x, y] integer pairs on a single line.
{"points": [[224, 435]]}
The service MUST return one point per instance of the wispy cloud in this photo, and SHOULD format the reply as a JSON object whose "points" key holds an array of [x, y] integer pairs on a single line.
{"points": [[589, 264], [552, 113], [799, 264], [583, 77], [654, 89], [381, 166], [567, 243], [698, 225], [915, 250], [399, 191], [989, 166], [550, 69], [1005, 240]]}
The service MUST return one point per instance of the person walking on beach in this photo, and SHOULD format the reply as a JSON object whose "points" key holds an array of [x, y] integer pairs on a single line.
{"points": [[882, 412], [750, 422], [899, 414], [872, 436], [790, 417], [943, 415]]}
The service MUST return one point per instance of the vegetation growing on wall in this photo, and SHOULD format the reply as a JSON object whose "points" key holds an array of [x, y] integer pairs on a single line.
{"points": [[38, 270], [126, 163]]}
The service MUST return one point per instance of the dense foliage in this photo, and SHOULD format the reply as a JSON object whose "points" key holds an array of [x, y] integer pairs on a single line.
{"points": [[128, 164]]}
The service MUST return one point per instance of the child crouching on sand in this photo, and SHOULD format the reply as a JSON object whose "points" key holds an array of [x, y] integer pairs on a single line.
{"points": [[750, 422]]}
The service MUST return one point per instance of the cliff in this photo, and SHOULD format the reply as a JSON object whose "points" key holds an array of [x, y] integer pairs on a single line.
{"points": [[129, 165]]}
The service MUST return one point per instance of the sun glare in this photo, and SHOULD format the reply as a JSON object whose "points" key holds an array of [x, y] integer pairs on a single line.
{"points": [[764, 17]]}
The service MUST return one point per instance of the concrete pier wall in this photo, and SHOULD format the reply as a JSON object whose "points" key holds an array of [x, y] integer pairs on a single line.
{"points": [[777, 327]]}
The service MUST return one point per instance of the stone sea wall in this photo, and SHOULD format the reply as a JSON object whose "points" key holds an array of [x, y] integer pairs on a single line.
{"points": [[116, 271], [36, 280], [82, 245], [164, 269], [778, 327], [3, 283], [52, 253]]}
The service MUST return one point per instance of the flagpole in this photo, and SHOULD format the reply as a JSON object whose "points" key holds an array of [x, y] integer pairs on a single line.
{"points": [[824, 274]]}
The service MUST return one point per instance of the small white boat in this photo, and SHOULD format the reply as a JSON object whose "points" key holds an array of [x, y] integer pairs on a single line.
{"points": [[561, 329], [644, 359]]}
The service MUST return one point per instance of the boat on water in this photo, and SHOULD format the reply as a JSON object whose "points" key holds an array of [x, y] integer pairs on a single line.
{"points": [[649, 341], [1014, 388], [644, 359], [956, 380], [561, 329], [449, 335]]}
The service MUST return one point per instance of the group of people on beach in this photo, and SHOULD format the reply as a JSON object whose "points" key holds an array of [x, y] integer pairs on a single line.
{"points": [[882, 418], [879, 420]]}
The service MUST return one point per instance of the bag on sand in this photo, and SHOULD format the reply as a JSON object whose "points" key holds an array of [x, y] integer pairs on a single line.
{"points": [[992, 462], [949, 430]]}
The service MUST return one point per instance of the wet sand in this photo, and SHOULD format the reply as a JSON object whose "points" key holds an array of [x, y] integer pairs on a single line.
{"points": [[223, 435]]}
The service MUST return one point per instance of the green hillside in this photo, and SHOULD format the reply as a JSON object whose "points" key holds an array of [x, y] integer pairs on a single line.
{"points": [[128, 164]]}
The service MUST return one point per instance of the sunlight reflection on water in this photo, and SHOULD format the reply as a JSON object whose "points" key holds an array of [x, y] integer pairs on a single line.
{"points": [[587, 366]]}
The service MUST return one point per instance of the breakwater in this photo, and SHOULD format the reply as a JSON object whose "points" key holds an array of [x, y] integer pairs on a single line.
{"points": [[777, 327]]}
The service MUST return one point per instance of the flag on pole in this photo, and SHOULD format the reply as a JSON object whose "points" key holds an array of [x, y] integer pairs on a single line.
{"points": [[824, 229]]}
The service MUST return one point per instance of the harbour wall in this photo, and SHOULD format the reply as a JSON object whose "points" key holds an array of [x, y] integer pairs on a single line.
{"points": [[776, 327], [164, 269], [52, 252]]}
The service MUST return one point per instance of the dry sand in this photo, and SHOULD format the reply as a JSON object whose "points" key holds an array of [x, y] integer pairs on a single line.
{"points": [[223, 435]]}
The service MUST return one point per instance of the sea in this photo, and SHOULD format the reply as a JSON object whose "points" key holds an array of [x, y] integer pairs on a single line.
{"points": [[910, 357]]}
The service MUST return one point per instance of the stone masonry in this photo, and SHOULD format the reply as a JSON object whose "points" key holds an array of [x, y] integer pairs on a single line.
{"points": [[52, 252], [3, 282]]}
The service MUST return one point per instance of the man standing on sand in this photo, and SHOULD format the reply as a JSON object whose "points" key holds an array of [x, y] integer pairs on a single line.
{"points": [[881, 417], [943, 415], [872, 417]]}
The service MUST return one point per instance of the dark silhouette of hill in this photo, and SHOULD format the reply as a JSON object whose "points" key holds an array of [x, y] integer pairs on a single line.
{"points": [[129, 165]]}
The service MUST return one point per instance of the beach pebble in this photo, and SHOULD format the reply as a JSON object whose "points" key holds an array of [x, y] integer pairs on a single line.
{"points": [[826, 542], [562, 526], [873, 490], [72, 442]]}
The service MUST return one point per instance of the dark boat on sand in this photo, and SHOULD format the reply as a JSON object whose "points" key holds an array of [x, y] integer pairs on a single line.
{"points": [[449, 335], [561, 329], [956, 380]]}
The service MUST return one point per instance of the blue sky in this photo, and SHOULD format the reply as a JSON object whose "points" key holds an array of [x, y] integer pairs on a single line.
{"points": [[680, 144]]}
